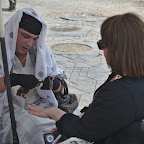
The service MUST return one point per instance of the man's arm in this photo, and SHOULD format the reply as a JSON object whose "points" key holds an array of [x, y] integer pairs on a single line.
{"points": [[26, 81], [2, 84]]}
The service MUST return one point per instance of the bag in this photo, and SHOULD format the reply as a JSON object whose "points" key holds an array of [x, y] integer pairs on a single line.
{"points": [[68, 102]]}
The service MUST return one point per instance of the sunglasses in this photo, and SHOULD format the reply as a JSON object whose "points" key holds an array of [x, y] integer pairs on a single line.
{"points": [[100, 45]]}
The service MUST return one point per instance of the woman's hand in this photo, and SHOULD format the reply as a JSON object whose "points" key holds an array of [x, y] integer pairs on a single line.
{"points": [[52, 113], [38, 111], [81, 114], [53, 130]]}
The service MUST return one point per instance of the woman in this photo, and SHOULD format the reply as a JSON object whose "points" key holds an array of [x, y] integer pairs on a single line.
{"points": [[120, 100]]}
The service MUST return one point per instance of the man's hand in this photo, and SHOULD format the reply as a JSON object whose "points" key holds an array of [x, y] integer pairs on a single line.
{"points": [[50, 84], [47, 84], [24, 80]]}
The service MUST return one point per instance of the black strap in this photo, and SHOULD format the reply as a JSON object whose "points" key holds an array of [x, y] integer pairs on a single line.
{"points": [[8, 89]]}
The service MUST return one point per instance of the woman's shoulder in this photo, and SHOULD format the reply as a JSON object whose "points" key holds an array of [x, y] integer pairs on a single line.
{"points": [[127, 82], [124, 85]]}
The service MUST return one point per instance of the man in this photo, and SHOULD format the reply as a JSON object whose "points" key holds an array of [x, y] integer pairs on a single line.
{"points": [[32, 66]]}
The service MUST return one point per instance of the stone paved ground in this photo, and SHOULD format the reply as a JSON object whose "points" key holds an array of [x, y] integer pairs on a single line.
{"points": [[86, 71]]}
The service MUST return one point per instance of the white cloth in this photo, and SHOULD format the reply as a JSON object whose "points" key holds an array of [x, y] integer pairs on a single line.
{"points": [[30, 128], [32, 96], [45, 62]]}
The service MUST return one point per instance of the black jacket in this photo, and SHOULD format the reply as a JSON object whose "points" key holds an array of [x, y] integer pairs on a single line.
{"points": [[115, 105]]}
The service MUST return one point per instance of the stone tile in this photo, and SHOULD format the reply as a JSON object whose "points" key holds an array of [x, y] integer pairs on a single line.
{"points": [[97, 74], [83, 83], [85, 100]]}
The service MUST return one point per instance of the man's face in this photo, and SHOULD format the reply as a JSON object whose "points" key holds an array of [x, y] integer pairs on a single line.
{"points": [[25, 41]]}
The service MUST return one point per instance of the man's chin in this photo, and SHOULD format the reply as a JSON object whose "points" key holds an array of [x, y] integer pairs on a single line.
{"points": [[21, 52]]}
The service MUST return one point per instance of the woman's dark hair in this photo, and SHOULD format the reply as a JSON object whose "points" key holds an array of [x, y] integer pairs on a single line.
{"points": [[123, 36]]}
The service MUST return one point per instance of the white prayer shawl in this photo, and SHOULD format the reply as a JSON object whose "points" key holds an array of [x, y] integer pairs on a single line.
{"points": [[45, 62]]}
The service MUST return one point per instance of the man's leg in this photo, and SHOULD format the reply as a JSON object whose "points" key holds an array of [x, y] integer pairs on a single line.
{"points": [[12, 4], [30, 129]]}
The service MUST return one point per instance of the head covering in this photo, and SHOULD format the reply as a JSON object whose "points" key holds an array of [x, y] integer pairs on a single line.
{"points": [[30, 24]]}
